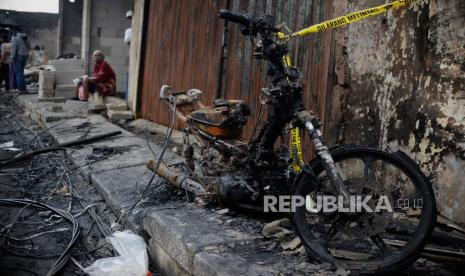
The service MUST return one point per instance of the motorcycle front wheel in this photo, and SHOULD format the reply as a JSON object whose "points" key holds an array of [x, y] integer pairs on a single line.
{"points": [[381, 239]]}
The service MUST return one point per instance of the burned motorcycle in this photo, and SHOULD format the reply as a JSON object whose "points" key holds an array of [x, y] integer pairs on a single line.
{"points": [[252, 174]]}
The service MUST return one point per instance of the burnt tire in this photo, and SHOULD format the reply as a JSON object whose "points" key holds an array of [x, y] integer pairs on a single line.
{"points": [[307, 183]]}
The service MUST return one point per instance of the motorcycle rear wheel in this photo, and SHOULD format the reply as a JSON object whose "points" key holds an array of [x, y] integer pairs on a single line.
{"points": [[363, 242]]}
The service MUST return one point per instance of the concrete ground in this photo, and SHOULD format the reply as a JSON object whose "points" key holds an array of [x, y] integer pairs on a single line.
{"points": [[183, 238]]}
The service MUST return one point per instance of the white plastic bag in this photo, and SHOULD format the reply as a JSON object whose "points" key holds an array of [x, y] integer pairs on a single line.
{"points": [[133, 259]]}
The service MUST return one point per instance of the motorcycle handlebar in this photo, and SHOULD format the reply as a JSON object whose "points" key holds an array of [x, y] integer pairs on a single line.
{"points": [[240, 18], [251, 24]]}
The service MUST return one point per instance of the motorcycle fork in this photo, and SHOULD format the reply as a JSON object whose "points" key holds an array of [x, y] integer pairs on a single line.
{"points": [[188, 150], [327, 161]]}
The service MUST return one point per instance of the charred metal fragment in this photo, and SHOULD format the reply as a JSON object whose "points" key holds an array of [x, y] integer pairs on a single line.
{"points": [[61, 146], [177, 179]]}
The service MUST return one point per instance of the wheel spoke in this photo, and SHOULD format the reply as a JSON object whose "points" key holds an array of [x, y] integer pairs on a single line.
{"points": [[331, 233], [382, 246], [368, 173]]}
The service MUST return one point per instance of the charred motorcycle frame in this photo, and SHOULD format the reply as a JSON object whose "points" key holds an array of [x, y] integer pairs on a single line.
{"points": [[241, 173]]}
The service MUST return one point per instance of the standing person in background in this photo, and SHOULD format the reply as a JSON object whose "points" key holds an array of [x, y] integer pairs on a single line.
{"points": [[20, 47], [12, 78], [127, 41], [5, 60], [128, 32]]}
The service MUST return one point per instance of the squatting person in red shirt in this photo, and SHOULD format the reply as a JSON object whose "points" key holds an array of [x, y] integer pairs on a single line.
{"points": [[102, 81]]}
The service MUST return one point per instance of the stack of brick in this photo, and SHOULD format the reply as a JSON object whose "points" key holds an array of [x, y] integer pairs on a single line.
{"points": [[46, 82], [96, 102], [66, 70], [117, 109]]}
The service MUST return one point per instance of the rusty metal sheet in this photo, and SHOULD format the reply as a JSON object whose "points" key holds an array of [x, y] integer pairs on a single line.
{"points": [[312, 55], [184, 49], [183, 46]]}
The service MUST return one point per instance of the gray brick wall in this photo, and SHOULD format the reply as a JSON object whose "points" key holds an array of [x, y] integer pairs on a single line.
{"points": [[72, 27]]}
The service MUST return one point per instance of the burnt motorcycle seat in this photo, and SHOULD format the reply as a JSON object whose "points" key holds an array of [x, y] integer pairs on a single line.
{"points": [[225, 120]]}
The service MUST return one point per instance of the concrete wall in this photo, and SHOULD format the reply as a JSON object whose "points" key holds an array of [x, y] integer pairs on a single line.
{"points": [[400, 84], [135, 53], [40, 27], [107, 25], [72, 27]]}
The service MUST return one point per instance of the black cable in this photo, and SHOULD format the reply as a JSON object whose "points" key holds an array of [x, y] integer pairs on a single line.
{"points": [[147, 138], [160, 159], [27, 203], [106, 231], [64, 257], [62, 146], [19, 269]]}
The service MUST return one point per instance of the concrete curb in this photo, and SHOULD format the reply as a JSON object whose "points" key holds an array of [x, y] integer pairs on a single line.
{"points": [[188, 235]]}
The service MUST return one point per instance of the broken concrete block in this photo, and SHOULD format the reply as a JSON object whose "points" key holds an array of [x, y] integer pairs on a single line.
{"points": [[43, 93], [93, 106], [177, 233], [57, 108], [223, 211], [96, 102], [116, 115], [291, 245], [46, 82], [96, 98], [117, 106], [302, 251], [75, 106], [115, 103], [274, 229], [46, 74], [46, 91], [46, 79], [113, 99], [52, 99]]}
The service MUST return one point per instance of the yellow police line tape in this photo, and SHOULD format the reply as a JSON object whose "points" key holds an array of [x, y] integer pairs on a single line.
{"points": [[351, 17], [295, 141], [296, 149]]}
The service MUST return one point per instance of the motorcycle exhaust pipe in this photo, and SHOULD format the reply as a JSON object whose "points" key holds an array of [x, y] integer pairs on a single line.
{"points": [[177, 179]]}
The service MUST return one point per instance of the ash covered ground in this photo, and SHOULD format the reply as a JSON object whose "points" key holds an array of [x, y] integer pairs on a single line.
{"points": [[32, 238]]}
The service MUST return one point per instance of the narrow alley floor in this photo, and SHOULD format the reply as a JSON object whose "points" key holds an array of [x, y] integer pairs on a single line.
{"points": [[32, 239]]}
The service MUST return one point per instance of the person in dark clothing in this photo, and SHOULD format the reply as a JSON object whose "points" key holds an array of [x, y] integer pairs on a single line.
{"points": [[5, 59], [20, 47]]}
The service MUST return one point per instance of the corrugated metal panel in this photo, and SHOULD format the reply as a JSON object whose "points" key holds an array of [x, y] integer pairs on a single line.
{"points": [[183, 49], [245, 77], [184, 41]]}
